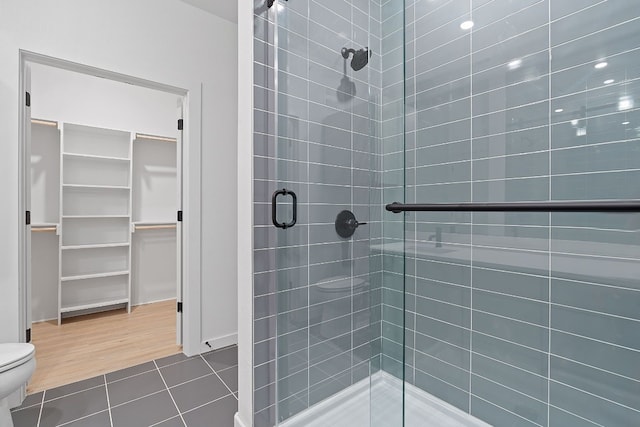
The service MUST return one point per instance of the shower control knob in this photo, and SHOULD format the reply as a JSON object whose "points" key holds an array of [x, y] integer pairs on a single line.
{"points": [[346, 224]]}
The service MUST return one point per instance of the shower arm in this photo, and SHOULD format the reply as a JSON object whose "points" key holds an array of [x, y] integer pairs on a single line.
{"points": [[616, 206], [345, 52], [271, 2]]}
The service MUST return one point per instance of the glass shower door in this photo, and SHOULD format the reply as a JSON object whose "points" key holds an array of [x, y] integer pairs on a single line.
{"points": [[522, 318], [322, 171]]}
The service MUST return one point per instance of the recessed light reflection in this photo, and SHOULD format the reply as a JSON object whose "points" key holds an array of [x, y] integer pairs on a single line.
{"points": [[625, 123], [609, 81], [625, 103], [559, 110], [466, 25], [600, 65], [516, 63]]}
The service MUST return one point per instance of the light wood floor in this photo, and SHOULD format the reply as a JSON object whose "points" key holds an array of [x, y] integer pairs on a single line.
{"points": [[86, 346]]}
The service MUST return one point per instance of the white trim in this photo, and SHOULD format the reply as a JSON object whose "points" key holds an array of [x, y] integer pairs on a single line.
{"points": [[192, 222], [244, 417], [379, 384], [132, 305], [342, 397], [237, 421], [218, 342]]}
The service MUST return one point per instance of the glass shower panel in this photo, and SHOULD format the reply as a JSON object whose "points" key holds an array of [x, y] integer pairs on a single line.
{"points": [[387, 385], [527, 319], [437, 245], [325, 169]]}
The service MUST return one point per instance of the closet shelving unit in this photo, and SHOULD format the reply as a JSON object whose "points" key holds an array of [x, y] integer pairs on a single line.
{"points": [[95, 214], [92, 190]]}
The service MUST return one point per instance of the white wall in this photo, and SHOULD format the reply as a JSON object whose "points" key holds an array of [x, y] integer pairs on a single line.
{"points": [[66, 96], [153, 266], [44, 278], [164, 41], [154, 190]]}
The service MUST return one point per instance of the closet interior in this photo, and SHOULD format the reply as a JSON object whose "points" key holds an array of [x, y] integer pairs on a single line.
{"points": [[103, 219]]}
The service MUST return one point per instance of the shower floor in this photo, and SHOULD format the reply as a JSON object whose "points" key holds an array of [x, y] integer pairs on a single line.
{"points": [[378, 403]]}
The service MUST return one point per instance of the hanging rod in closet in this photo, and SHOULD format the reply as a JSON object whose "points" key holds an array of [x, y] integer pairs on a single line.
{"points": [[155, 227], [44, 122], [155, 137], [43, 229], [616, 206]]}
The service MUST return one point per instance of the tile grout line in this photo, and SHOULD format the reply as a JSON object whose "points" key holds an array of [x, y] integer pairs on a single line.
{"points": [[41, 408], [137, 398], [191, 380], [107, 382], [106, 389], [130, 376], [550, 217], [169, 392], [218, 376], [208, 403], [72, 393], [471, 216], [82, 418], [163, 421]]}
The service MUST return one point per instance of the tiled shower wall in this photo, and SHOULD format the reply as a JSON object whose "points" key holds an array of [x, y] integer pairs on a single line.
{"points": [[520, 319], [316, 295]]}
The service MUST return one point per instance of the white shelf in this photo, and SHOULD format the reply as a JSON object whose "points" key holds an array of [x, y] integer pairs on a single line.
{"points": [[93, 216], [93, 156], [96, 246], [99, 187], [95, 209], [93, 305], [94, 276]]}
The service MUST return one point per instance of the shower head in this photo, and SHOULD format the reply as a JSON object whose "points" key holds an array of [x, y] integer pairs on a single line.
{"points": [[360, 57]]}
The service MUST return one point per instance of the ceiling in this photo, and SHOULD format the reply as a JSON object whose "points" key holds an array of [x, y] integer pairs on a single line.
{"points": [[225, 9]]}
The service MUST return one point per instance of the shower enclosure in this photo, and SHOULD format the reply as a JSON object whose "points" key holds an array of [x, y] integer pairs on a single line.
{"points": [[518, 303]]}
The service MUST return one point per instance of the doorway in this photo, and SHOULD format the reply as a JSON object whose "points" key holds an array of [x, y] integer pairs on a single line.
{"points": [[102, 185]]}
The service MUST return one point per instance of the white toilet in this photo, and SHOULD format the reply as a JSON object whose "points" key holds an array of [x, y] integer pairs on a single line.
{"points": [[17, 363]]}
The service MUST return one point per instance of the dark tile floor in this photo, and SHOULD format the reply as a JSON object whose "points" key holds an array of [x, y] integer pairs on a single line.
{"points": [[199, 391]]}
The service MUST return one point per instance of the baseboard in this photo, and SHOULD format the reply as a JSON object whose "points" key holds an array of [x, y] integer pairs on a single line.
{"points": [[139, 303], [237, 421], [219, 342]]}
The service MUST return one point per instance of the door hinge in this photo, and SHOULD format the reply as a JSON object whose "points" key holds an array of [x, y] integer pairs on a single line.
{"points": [[180, 124], [179, 307], [27, 99], [179, 216], [28, 335], [28, 217]]}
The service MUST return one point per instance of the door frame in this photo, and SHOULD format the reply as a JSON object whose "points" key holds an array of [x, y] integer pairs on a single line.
{"points": [[191, 187]]}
